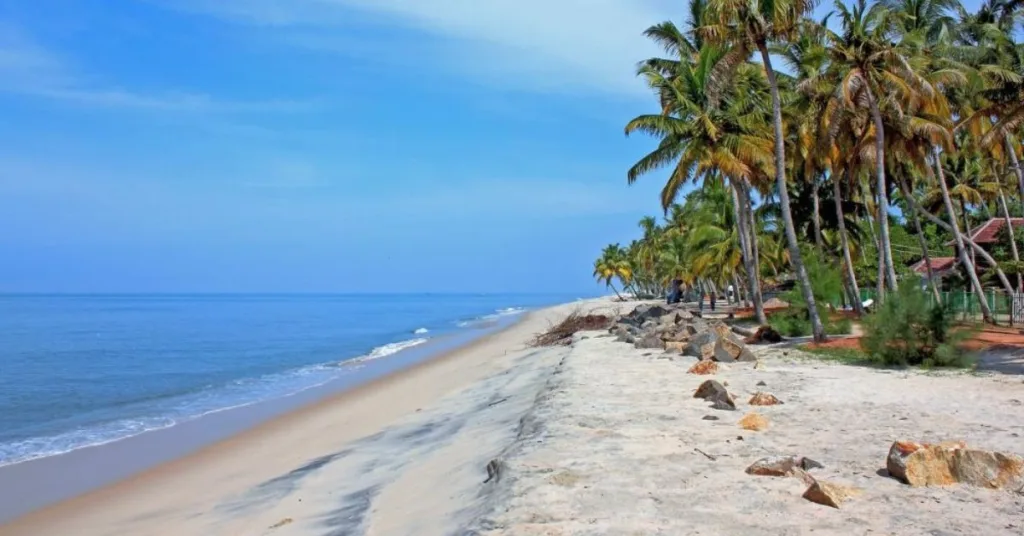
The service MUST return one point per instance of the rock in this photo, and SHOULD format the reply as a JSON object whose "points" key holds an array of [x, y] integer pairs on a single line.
{"points": [[703, 368], [648, 325], [830, 493], [685, 315], [736, 350], [782, 466], [921, 464], [807, 464], [721, 329], [650, 341], [761, 383], [673, 346], [754, 422], [710, 389], [724, 402], [718, 351], [697, 345], [709, 418], [675, 334], [764, 399]]}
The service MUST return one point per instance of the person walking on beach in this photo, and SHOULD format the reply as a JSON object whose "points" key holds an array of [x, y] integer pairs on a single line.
{"points": [[700, 300], [713, 298]]}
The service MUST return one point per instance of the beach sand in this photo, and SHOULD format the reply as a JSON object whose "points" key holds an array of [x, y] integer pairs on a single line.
{"points": [[618, 445], [592, 438]]}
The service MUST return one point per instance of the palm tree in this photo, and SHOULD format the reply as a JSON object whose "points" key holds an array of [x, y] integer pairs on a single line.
{"points": [[611, 265], [712, 124], [877, 72], [749, 25]]}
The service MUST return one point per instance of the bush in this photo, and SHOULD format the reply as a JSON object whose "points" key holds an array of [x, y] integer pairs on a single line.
{"points": [[908, 330]]}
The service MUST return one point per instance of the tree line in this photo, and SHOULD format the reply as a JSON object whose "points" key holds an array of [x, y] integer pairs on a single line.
{"points": [[802, 136]]}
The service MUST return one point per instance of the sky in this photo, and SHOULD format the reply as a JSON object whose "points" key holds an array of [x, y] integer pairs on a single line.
{"points": [[319, 145]]}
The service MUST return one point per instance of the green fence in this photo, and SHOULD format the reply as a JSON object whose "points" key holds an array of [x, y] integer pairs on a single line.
{"points": [[965, 305]]}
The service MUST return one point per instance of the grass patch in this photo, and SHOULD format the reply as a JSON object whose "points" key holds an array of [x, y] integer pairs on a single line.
{"points": [[790, 324], [846, 356]]}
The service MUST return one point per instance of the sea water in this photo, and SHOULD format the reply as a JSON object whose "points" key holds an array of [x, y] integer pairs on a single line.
{"points": [[77, 371]]}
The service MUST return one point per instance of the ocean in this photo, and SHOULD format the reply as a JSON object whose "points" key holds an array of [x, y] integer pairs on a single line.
{"points": [[83, 370]]}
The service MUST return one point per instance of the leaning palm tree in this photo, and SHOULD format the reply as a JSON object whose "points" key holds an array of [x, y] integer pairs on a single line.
{"points": [[712, 125], [877, 73], [610, 265], [749, 25]]}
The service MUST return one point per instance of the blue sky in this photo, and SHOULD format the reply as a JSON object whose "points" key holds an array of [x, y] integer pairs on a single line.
{"points": [[319, 145]]}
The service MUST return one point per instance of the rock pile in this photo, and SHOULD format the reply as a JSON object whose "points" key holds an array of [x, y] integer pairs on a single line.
{"points": [[676, 329]]}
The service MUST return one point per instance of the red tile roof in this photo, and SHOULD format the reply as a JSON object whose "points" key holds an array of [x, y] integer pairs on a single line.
{"points": [[939, 264], [988, 232]]}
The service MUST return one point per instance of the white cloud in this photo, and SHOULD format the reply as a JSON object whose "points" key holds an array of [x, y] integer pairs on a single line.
{"points": [[564, 45], [27, 68]]}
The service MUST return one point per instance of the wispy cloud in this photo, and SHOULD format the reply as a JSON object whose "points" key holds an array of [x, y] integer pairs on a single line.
{"points": [[27, 68], [560, 45]]}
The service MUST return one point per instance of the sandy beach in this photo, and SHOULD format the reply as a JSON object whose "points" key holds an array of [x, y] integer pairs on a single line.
{"points": [[597, 437]]}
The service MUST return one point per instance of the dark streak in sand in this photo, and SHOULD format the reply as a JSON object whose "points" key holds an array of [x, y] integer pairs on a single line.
{"points": [[349, 520], [279, 487]]}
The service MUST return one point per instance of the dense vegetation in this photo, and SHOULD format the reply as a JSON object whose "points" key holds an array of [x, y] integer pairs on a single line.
{"points": [[872, 137]]}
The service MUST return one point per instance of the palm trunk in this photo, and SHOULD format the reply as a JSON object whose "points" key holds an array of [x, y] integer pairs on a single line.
{"points": [[755, 256], [816, 217], [1009, 229], [617, 295], [883, 197], [1015, 163], [749, 259], [965, 260], [967, 228], [985, 256], [908, 196], [880, 273], [845, 242], [787, 216]]}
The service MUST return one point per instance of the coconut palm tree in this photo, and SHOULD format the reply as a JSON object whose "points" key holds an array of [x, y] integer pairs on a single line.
{"points": [[611, 265], [712, 125], [751, 25]]}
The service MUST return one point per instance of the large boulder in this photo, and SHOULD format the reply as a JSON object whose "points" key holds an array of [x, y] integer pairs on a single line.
{"points": [[922, 464]]}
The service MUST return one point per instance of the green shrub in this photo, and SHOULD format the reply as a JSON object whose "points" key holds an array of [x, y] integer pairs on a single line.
{"points": [[908, 330]]}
